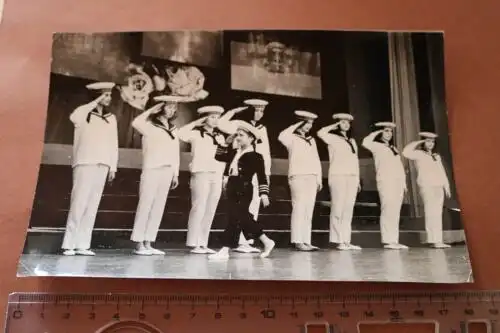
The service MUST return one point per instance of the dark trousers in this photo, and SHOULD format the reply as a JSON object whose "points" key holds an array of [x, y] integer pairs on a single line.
{"points": [[239, 195]]}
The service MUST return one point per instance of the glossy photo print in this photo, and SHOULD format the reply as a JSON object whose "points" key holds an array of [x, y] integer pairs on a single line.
{"points": [[248, 155]]}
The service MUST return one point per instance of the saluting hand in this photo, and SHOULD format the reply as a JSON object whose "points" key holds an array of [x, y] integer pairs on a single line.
{"points": [[175, 182], [111, 176], [265, 200], [239, 109]]}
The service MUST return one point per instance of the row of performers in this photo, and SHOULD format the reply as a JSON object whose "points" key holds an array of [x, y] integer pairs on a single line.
{"points": [[234, 155]]}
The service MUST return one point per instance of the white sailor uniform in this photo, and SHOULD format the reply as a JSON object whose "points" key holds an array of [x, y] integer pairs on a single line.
{"points": [[206, 182], [432, 182], [343, 180], [304, 177], [95, 154], [160, 164], [391, 184]]}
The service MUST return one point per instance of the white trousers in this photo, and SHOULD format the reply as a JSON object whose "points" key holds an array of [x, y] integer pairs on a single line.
{"points": [[206, 189], [303, 190], [433, 199], [343, 192], [88, 185], [391, 193], [253, 209], [153, 192]]}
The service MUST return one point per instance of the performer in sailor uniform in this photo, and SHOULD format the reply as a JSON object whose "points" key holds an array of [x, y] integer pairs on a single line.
{"points": [[206, 175], [304, 177], [433, 184], [262, 147], [343, 178], [391, 181], [95, 158], [160, 170], [243, 164]]}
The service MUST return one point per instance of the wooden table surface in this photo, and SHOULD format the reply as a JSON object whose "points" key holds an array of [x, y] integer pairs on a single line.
{"points": [[472, 49]]}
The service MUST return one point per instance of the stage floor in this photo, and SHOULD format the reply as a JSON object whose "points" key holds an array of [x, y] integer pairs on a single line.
{"points": [[413, 265]]}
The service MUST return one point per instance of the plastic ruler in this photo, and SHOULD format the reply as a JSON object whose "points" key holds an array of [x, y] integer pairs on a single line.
{"points": [[451, 312]]}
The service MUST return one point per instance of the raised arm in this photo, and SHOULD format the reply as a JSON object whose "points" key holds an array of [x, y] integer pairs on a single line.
{"points": [[79, 115], [286, 136], [369, 141], [224, 123], [140, 123], [185, 133], [327, 137], [411, 152]]}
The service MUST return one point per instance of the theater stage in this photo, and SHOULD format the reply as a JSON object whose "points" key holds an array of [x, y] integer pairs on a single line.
{"points": [[413, 265]]}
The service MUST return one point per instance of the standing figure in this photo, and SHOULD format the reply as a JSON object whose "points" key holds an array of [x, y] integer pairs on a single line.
{"points": [[160, 170], [304, 177], [95, 158], [391, 181], [243, 164], [206, 175], [262, 147], [433, 185], [343, 178]]}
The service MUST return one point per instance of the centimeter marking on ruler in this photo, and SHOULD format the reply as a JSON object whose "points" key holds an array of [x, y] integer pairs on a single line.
{"points": [[340, 312]]}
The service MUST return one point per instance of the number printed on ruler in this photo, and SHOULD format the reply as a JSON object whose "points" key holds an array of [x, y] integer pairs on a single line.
{"points": [[247, 313]]}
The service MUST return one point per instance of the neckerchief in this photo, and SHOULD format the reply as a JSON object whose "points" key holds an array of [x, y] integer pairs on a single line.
{"points": [[204, 132], [169, 131], [97, 114], [308, 138], [346, 139]]}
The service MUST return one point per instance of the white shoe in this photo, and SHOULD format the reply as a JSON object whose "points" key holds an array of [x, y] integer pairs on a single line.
{"points": [[207, 250], [440, 246], [198, 250], [69, 253], [84, 253], [221, 255], [156, 252], [246, 248], [391, 246], [403, 247], [312, 247], [353, 247], [302, 247], [342, 247], [267, 248], [143, 252]]}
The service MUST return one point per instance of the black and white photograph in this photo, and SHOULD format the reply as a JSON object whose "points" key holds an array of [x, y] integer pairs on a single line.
{"points": [[248, 155]]}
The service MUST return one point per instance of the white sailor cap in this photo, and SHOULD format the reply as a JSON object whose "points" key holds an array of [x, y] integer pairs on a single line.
{"points": [[100, 86], [306, 114], [428, 135], [210, 109], [343, 116], [256, 102], [247, 127], [170, 98], [385, 124]]}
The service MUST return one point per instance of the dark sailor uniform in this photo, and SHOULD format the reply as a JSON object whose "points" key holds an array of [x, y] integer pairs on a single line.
{"points": [[240, 169]]}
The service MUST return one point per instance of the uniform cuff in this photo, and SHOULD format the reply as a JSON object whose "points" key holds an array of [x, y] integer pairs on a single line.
{"points": [[263, 189]]}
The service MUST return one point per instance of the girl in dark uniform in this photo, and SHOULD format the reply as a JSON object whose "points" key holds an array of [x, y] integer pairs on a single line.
{"points": [[242, 164]]}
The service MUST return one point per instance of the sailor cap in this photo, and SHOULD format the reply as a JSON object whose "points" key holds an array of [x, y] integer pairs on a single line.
{"points": [[210, 109], [256, 102], [306, 114], [100, 86], [385, 124], [247, 127], [343, 116], [428, 135]]}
